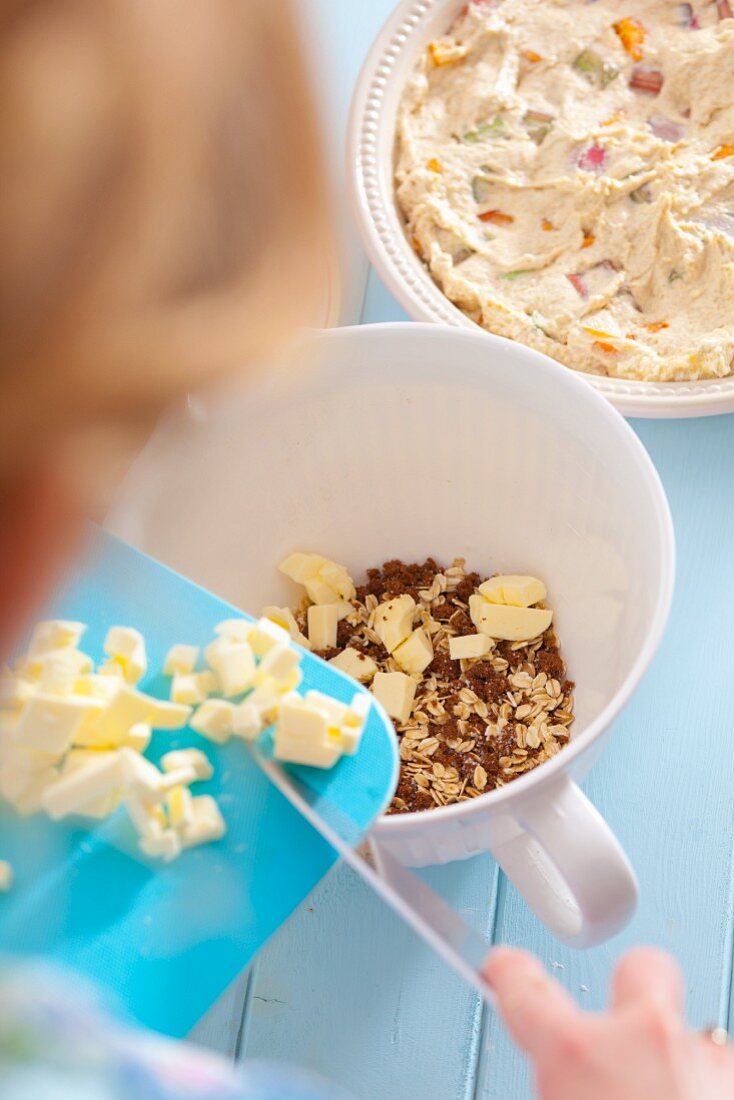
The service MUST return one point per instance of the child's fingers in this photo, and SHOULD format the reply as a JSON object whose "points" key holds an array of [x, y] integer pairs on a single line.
{"points": [[647, 974], [536, 1010]]}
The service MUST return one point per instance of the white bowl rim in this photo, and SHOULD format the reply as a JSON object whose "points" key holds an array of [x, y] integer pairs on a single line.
{"points": [[650, 479], [407, 278]]}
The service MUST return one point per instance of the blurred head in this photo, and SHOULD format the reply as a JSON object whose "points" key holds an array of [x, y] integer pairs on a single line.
{"points": [[162, 220]]}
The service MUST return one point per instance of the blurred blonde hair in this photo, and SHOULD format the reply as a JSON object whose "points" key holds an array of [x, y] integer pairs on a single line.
{"points": [[162, 214]]}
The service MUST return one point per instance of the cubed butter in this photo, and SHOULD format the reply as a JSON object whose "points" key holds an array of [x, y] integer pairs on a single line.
{"points": [[206, 825], [355, 720], [322, 623], [301, 567], [113, 669], [247, 722], [127, 646], [302, 736], [77, 758], [415, 653], [284, 617], [301, 720], [166, 845], [114, 720], [181, 659], [148, 819], [59, 670], [506, 623], [188, 758], [393, 621], [266, 634], [469, 646], [313, 754], [208, 682], [396, 692], [234, 664], [334, 711], [185, 688], [147, 783], [52, 724], [214, 720], [234, 630], [25, 790], [15, 692], [99, 687], [168, 716], [180, 812], [29, 760], [6, 875], [72, 792], [266, 698], [141, 778], [514, 590], [55, 634], [290, 682], [107, 803], [318, 591], [325, 581], [279, 664], [109, 725], [137, 737], [338, 579], [355, 664], [180, 777]]}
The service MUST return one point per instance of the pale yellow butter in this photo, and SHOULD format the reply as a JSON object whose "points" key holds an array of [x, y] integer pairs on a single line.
{"points": [[180, 813], [393, 621], [207, 824], [469, 646], [284, 617], [517, 591], [234, 664], [6, 875], [355, 664], [185, 688], [338, 579], [415, 653], [301, 567], [509, 624], [188, 758], [181, 659], [325, 581], [322, 623], [127, 646], [396, 692], [52, 724], [214, 719], [302, 735]]}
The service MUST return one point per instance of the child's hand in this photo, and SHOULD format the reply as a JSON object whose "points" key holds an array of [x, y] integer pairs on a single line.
{"points": [[640, 1049]]}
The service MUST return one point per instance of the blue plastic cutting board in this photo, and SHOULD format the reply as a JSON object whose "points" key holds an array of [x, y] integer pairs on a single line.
{"points": [[168, 939]]}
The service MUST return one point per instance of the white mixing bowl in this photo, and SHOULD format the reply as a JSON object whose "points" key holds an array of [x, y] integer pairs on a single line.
{"points": [[409, 440]]}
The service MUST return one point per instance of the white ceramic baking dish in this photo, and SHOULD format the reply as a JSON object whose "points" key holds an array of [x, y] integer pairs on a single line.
{"points": [[370, 152]]}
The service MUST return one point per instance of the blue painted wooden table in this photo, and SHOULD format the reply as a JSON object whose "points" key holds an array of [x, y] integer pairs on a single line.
{"points": [[345, 988]]}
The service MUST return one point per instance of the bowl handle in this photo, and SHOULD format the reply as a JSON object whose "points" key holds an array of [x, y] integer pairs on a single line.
{"points": [[569, 866]]}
